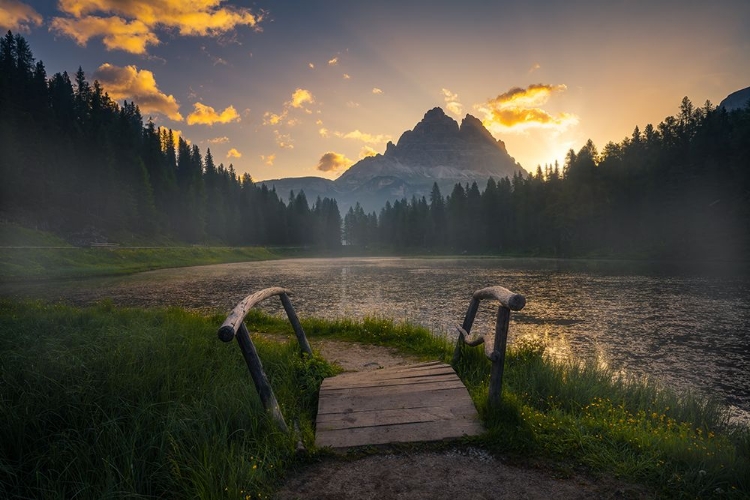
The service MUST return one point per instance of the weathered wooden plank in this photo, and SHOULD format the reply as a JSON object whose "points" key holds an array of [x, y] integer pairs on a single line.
{"points": [[382, 375], [364, 383], [390, 390], [364, 402], [402, 404], [426, 367], [400, 433], [374, 418]]}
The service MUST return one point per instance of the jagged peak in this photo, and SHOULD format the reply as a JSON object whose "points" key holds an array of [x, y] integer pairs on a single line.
{"points": [[473, 128]]}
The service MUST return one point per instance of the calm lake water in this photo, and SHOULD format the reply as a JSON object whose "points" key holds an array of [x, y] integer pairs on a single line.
{"points": [[687, 331]]}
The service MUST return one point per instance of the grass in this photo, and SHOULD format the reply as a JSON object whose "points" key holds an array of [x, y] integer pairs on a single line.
{"points": [[578, 415], [18, 264], [113, 403], [105, 402]]}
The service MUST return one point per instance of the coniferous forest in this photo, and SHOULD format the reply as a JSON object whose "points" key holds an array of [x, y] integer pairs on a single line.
{"points": [[74, 162]]}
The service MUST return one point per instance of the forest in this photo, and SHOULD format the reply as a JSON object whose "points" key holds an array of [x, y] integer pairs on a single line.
{"points": [[677, 190], [76, 163]]}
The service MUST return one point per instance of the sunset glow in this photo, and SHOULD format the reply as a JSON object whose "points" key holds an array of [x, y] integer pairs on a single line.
{"points": [[308, 89]]}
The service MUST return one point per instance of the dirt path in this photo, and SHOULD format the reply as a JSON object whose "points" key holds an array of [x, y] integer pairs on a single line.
{"points": [[456, 473]]}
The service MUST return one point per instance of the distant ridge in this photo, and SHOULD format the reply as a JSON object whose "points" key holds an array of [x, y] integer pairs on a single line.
{"points": [[737, 100], [437, 149]]}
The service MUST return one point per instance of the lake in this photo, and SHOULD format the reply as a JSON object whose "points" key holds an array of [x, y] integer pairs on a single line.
{"points": [[686, 330]]}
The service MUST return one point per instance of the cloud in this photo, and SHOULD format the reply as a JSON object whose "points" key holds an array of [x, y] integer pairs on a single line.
{"points": [[219, 140], [233, 153], [452, 103], [367, 151], [376, 91], [323, 132], [17, 16], [272, 118], [131, 25], [333, 162], [520, 109], [347, 77], [311, 65], [534, 68], [300, 97], [139, 86], [284, 141], [352, 104], [206, 115], [116, 33], [268, 160], [366, 138], [334, 61]]}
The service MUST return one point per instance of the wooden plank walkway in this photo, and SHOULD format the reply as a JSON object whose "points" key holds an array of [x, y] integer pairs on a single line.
{"points": [[424, 402]]}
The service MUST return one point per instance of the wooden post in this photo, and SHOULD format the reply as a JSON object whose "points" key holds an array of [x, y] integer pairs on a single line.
{"points": [[471, 313], [498, 355], [259, 377], [294, 320]]}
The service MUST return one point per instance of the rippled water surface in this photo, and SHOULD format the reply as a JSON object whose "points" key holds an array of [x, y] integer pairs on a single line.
{"points": [[689, 332]]}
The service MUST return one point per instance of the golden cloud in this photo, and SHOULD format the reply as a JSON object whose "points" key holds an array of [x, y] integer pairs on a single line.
{"points": [[347, 77], [219, 140], [366, 138], [206, 115], [377, 91], [17, 16], [334, 61], [268, 160], [233, 153], [272, 118], [130, 25], [284, 141], [323, 132], [452, 103], [311, 65], [116, 33], [520, 109], [139, 86], [333, 162], [300, 97], [367, 151]]}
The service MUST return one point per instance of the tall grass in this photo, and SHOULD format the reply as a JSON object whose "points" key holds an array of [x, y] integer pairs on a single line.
{"points": [[122, 403], [112, 403]]}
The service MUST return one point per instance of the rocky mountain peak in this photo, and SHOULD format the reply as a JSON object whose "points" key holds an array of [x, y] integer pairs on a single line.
{"points": [[736, 100]]}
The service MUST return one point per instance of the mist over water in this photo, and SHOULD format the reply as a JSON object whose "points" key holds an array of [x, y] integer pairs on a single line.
{"points": [[687, 331]]}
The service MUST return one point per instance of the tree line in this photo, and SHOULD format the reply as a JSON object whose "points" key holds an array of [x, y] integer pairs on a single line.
{"points": [[678, 190], [75, 162]]}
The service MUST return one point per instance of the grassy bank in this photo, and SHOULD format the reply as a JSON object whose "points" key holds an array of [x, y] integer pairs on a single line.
{"points": [[579, 416], [17, 264], [114, 403], [105, 402]]}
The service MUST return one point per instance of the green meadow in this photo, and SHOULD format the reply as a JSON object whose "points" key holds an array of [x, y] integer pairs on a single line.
{"points": [[106, 402]]}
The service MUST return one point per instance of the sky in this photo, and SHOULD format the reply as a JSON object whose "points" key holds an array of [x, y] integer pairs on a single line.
{"points": [[283, 88]]}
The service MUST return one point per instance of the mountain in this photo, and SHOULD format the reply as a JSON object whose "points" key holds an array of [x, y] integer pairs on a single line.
{"points": [[736, 100], [438, 149]]}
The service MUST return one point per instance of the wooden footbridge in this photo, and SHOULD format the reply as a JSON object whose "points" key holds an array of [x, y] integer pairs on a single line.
{"points": [[421, 402]]}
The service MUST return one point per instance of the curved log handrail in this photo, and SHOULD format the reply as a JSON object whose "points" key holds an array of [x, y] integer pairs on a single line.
{"points": [[509, 301], [513, 301], [234, 328]]}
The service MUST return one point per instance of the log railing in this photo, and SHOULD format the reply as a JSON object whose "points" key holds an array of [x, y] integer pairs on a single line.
{"points": [[234, 327], [494, 348]]}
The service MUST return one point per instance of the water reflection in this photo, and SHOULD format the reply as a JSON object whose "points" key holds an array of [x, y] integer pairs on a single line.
{"points": [[687, 331]]}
